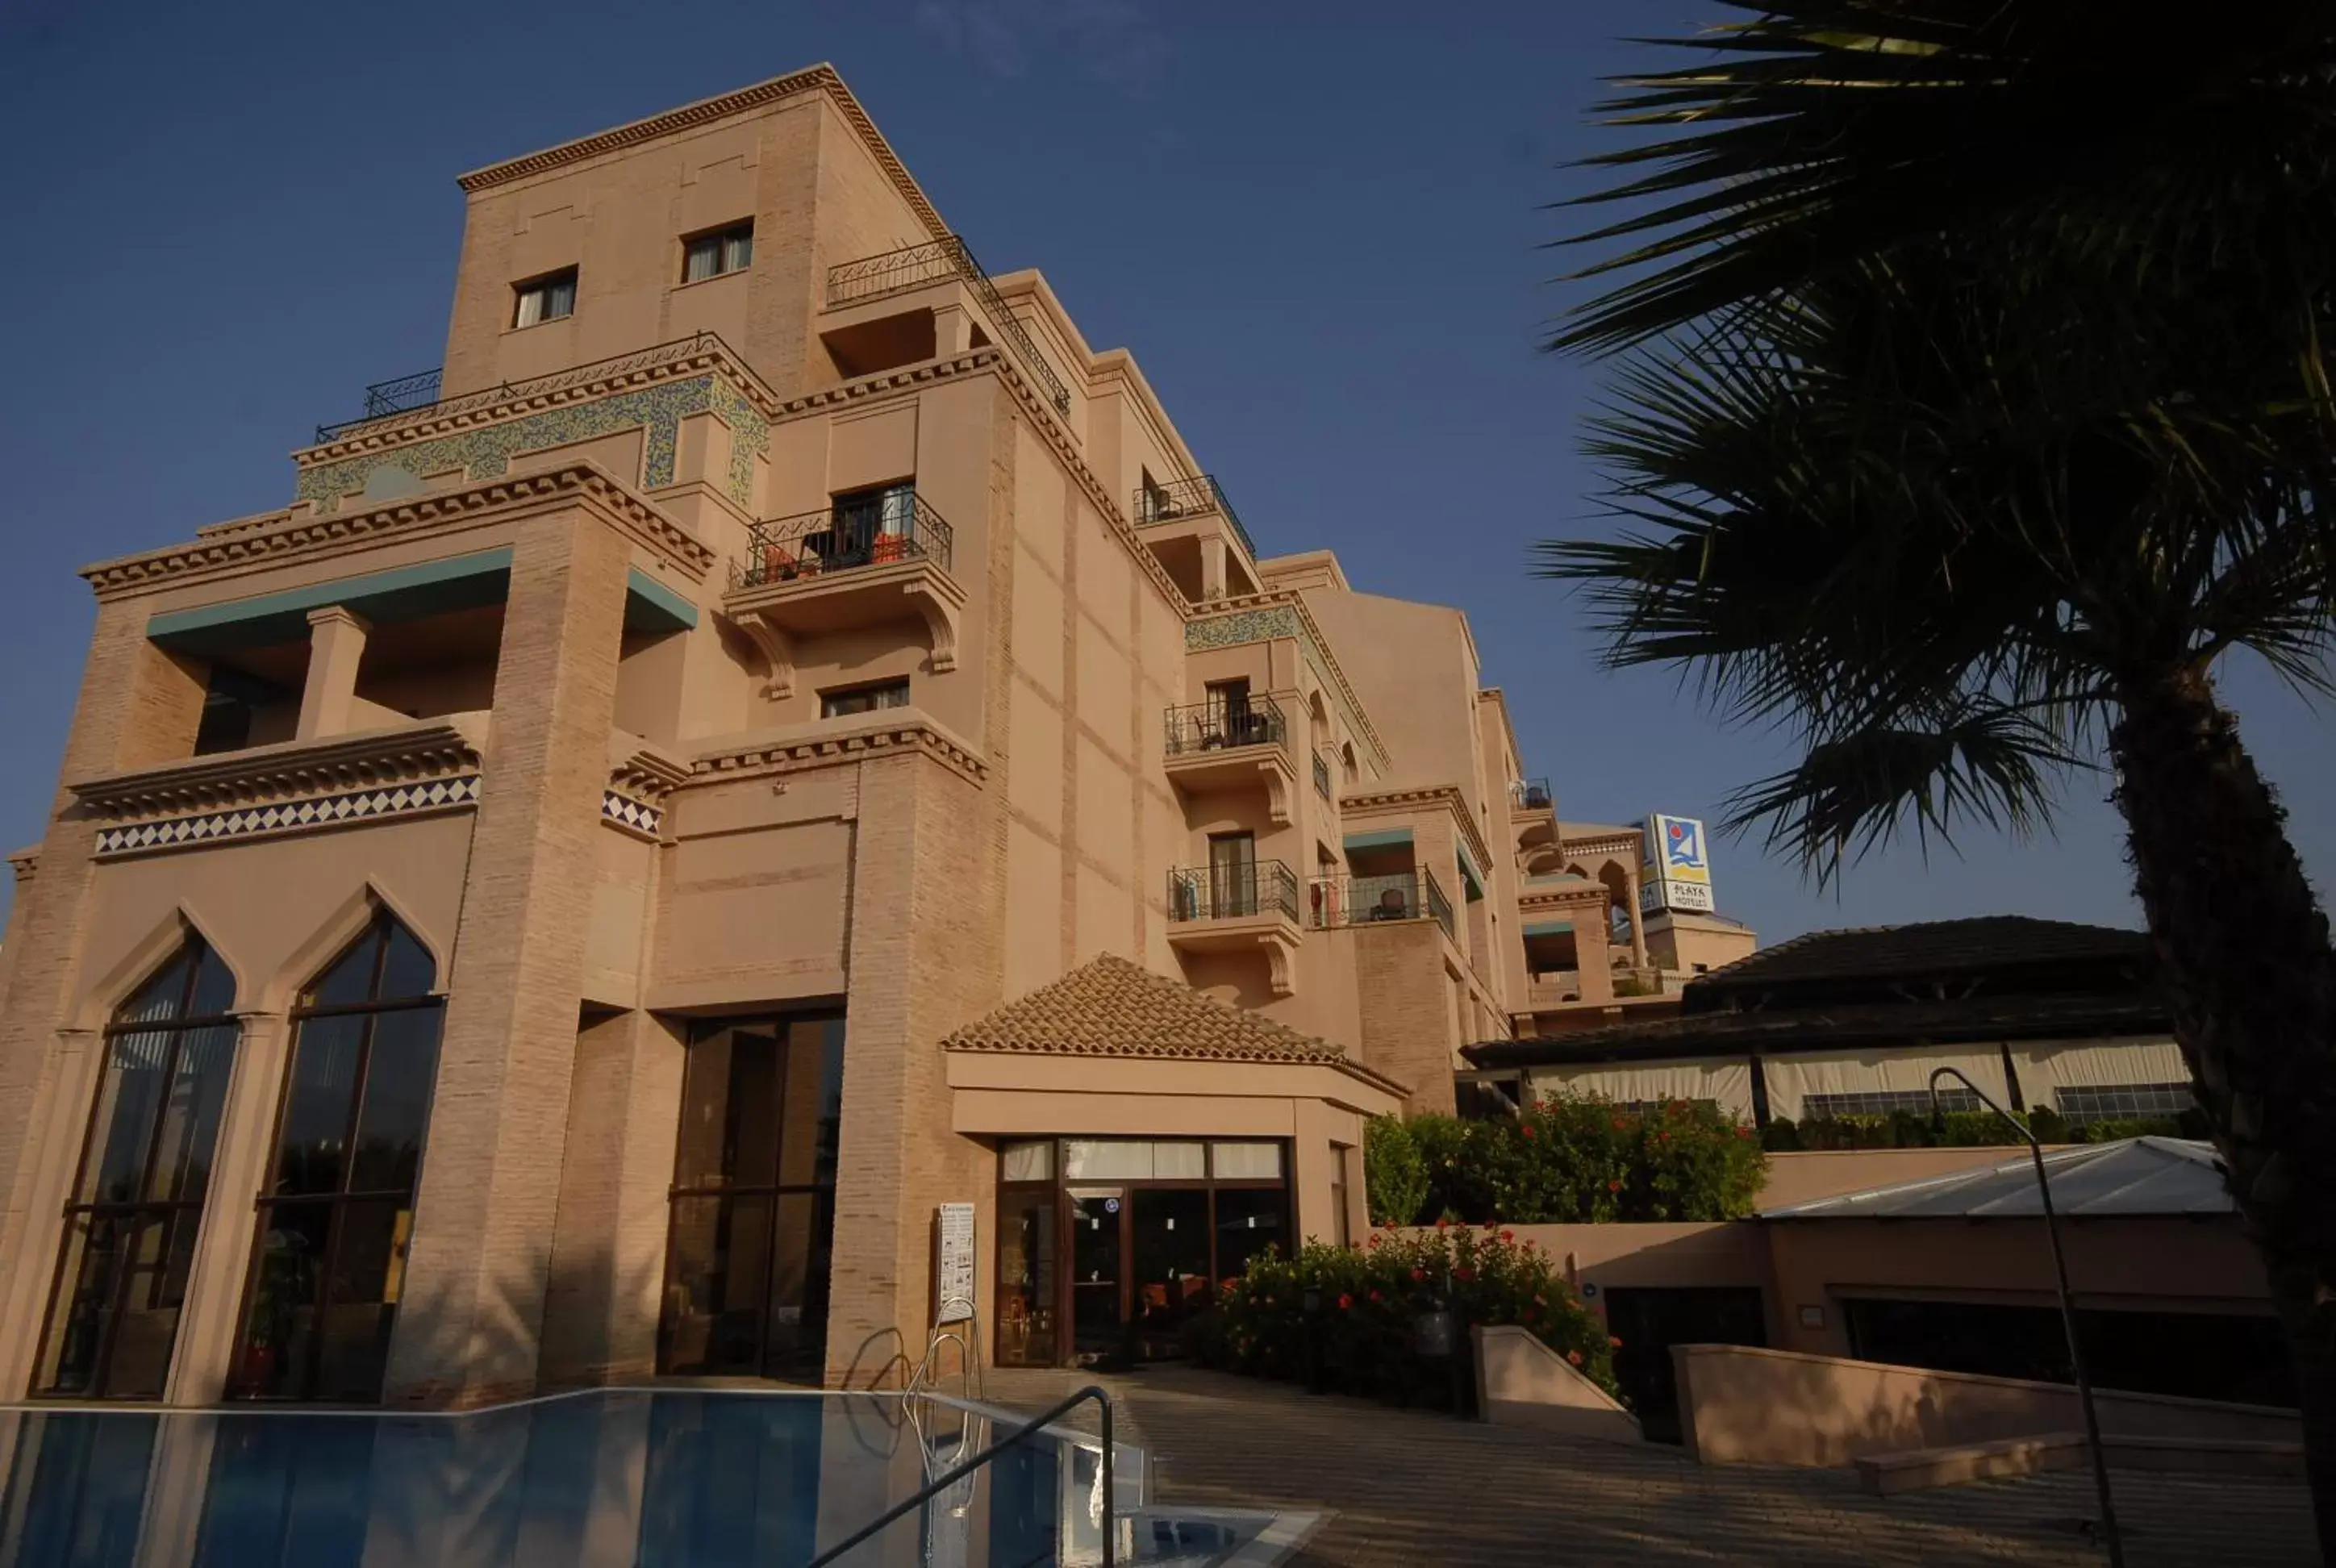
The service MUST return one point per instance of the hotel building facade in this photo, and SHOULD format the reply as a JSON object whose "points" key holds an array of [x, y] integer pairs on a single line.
{"points": [[776, 740]]}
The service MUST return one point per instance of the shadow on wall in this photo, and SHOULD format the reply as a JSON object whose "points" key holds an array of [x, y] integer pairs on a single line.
{"points": [[1739, 1405]]}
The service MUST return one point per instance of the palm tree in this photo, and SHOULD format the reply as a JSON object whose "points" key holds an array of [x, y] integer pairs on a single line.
{"points": [[1972, 405]]}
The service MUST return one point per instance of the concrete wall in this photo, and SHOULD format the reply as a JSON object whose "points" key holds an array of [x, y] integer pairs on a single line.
{"points": [[1743, 1405]]}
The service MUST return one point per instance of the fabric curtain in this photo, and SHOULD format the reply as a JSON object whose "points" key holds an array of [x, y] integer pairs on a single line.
{"points": [[1894, 1070], [1725, 1081], [2046, 1067]]}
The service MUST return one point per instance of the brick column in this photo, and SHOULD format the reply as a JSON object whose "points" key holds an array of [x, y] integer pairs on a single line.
{"points": [[927, 957], [468, 1328], [337, 641], [608, 1251], [138, 705]]}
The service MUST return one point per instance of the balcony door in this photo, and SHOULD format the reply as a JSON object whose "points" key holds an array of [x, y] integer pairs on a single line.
{"points": [[137, 1200], [752, 1216], [336, 1216], [1233, 875]]}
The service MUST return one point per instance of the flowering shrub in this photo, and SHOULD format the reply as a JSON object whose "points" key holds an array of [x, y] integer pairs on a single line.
{"points": [[1395, 1177], [1359, 1339], [1579, 1158]]}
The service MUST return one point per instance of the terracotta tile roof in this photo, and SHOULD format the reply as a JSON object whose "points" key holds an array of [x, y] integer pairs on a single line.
{"points": [[1933, 947], [1111, 1007]]}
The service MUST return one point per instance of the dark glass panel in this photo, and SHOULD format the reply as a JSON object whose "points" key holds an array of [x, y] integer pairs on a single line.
{"points": [[793, 1336], [130, 1095], [408, 971], [1171, 1235], [161, 1253], [752, 1108], [361, 1300], [717, 1287], [164, 996], [190, 1116], [1249, 1220], [279, 1327], [214, 994], [88, 1284], [1026, 1277], [1096, 1320], [349, 982], [799, 1104], [312, 1152], [399, 1076]]}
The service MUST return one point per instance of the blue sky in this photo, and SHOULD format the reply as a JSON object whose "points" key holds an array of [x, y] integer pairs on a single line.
{"points": [[1318, 227]]}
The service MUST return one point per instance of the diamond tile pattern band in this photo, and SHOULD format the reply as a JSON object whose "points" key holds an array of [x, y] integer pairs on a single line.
{"points": [[627, 813], [287, 816]]}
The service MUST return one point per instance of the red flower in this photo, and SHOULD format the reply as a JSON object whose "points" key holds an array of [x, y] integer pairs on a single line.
{"points": [[1419, 1274], [1345, 1301], [1622, 1124], [1574, 1357], [1662, 1138], [1617, 1344], [1374, 1295], [1744, 1132], [1508, 1236], [1440, 1223], [1375, 1239], [1526, 1130], [1464, 1272], [1613, 1186]]}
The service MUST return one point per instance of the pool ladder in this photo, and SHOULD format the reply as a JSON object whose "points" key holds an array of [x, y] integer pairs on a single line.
{"points": [[925, 1377]]}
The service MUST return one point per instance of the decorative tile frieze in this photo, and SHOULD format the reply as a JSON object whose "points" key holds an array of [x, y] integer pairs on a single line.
{"points": [[290, 816], [634, 816], [421, 515], [485, 452], [1255, 617]]}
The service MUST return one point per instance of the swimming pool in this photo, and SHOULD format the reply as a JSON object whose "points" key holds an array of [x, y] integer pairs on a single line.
{"points": [[665, 1478]]}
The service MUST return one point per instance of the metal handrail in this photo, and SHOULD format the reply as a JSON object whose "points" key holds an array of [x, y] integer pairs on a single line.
{"points": [[1195, 497], [1231, 892], [914, 266], [1355, 899], [1020, 1435], [1225, 724], [907, 528], [927, 1374], [381, 394]]}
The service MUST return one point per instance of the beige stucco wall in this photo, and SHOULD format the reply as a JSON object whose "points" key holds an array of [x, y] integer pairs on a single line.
{"points": [[1731, 1395]]}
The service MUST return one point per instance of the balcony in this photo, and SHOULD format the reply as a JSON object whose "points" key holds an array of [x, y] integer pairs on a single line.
{"points": [[1533, 795], [847, 567], [946, 260], [1222, 746], [1251, 907], [1184, 500], [383, 398], [1366, 899]]}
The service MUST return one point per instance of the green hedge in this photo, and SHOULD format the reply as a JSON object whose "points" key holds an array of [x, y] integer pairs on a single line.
{"points": [[1360, 1337], [1567, 1159], [1963, 1129]]}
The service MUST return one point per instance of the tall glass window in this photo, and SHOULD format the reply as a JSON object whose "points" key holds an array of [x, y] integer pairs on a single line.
{"points": [[754, 1199], [138, 1199], [336, 1213]]}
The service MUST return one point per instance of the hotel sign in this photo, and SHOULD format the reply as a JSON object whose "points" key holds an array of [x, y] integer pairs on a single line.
{"points": [[953, 1285], [1677, 873]]}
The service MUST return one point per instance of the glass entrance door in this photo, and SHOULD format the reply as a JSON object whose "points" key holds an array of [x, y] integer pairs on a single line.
{"points": [[1098, 1304], [1169, 1231]]}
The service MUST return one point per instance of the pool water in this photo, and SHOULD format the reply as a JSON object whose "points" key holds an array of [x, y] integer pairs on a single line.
{"points": [[663, 1478]]}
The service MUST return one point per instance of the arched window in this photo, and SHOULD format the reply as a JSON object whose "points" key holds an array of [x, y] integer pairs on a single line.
{"points": [[138, 1200], [1347, 772], [336, 1210]]}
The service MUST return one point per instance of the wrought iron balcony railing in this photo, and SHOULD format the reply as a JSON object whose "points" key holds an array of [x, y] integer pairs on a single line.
{"points": [[1231, 892], [902, 527], [897, 271], [1224, 724], [1195, 497], [1354, 901], [1321, 775], [420, 393], [1532, 795]]}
